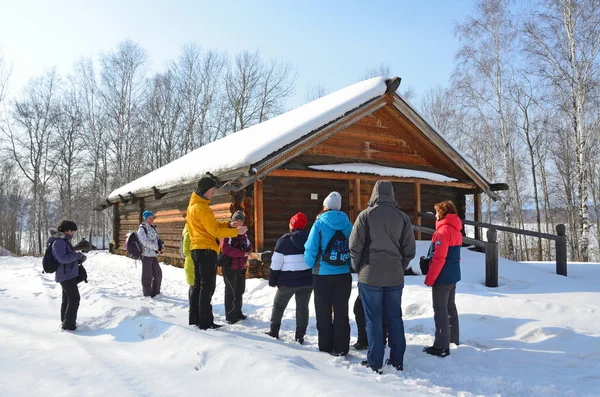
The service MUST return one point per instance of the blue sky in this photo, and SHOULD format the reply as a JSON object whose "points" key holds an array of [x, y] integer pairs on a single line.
{"points": [[331, 43]]}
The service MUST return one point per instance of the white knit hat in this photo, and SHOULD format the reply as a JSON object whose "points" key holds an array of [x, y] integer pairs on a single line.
{"points": [[333, 201]]}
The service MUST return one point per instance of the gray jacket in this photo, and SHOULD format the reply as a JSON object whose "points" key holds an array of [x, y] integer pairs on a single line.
{"points": [[380, 258]]}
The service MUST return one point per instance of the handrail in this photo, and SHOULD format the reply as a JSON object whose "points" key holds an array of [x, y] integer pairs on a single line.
{"points": [[499, 227], [467, 240]]}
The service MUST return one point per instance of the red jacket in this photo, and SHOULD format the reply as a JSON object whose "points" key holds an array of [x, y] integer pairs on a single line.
{"points": [[446, 242], [235, 248]]}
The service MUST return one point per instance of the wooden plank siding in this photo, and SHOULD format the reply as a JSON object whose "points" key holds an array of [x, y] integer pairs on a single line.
{"points": [[284, 197], [170, 211]]}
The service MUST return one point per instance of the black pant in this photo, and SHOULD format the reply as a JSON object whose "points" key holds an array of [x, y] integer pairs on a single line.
{"points": [[205, 280], [331, 306], [445, 315], [361, 323], [70, 303], [151, 276], [235, 285]]}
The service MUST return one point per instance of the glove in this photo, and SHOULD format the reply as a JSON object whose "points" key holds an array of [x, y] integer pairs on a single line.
{"points": [[81, 258], [424, 264]]}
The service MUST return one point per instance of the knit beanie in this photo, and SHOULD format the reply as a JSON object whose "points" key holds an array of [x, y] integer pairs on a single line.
{"points": [[333, 201], [147, 214], [298, 221], [238, 216], [205, 184]]}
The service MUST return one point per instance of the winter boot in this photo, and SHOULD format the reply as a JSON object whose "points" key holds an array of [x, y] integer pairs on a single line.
{"points": [[274, 331], [436, 351], [300, 332]]}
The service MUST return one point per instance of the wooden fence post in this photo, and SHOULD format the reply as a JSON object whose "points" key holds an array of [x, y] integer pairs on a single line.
{"points": [[491, 259], [561, 250]]}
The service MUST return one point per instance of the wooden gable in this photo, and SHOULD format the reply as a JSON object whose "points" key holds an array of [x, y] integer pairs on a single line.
{"points": [[385, 137]]}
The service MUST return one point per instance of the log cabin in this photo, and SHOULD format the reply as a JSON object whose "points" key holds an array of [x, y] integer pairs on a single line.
{"points": [[343, 142]]}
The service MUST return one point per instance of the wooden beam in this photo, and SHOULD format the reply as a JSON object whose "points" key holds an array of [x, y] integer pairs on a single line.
{"points": [[259, 232], [477, 214], [417, 218], [357, 196], [157, 194], [366, 177], [116, 226]]}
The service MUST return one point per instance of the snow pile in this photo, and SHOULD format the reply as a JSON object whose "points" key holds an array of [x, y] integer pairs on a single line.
{"points": [[259, 141], [362, 168], [537, 334]]}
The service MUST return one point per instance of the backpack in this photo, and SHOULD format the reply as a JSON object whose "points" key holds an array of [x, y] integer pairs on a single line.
{"points": [[49, 262], [133, 245], [337, 252]]}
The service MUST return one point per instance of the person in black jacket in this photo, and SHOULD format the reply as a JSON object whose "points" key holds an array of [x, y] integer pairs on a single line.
{"points": [[292, 277], [68, 271]]}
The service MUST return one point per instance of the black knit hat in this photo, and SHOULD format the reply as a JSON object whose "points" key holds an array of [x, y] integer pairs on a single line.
{"points": [[65, 226], [206, 183]]}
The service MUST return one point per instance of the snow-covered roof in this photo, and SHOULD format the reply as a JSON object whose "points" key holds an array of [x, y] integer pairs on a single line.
{"points": [[253, 144], [362, 168]]}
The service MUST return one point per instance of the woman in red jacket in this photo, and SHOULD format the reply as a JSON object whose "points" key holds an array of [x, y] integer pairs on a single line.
{"points": [[443, 274]]}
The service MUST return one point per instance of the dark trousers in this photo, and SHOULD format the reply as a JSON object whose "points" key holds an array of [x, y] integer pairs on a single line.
{"points": [[70, 304], [205, 280], [151, 276], [331, 306], [361, 325], [235, 285], [383, 303], [282, 298], [445, 315]]}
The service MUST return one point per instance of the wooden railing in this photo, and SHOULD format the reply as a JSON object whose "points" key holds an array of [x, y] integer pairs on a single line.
{"points": [[490, 247]]}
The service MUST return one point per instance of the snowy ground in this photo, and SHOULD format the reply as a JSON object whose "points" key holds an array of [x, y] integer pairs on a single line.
{"points": [[538, 334]]}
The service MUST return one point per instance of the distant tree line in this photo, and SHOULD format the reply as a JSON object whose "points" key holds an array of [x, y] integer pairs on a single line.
{"points": [[522, 105]]}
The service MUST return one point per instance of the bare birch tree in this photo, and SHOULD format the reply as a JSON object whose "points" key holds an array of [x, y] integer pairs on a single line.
{"points": [[31, 136], [562, 36], [482, 75]]}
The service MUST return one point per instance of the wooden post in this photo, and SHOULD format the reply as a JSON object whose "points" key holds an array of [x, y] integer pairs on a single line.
{"points": [[357, 202], [477, 215], [561, 250], [142, 209], [491, 259], [259, 230], [417, 200], [116, 227]]}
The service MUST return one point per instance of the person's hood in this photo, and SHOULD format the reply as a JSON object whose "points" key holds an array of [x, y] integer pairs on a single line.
{"points": [[336, 220], [55, 235], [196, 198], [451, 220], [298, 238], [383, 192]]}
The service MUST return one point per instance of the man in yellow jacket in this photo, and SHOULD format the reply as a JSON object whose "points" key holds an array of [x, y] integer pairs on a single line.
{"points": [[204, 231]]}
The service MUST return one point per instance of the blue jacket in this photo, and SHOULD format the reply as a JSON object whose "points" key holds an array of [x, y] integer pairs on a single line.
{"points": [[326, 225], [64, 254], [287, 263]]}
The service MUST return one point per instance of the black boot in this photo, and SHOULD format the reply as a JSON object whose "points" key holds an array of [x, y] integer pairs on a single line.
{"points": [[300, 332], [436, 351], [274, 331]]}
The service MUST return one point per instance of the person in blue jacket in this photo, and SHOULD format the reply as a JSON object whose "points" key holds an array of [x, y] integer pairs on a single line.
{"points": [[67, 272], [328, 254]]}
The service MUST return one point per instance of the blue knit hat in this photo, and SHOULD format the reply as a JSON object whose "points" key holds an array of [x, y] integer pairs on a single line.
{"points": [[147, 214]]}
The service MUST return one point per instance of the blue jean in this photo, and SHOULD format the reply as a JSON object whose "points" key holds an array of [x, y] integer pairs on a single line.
{"points": [[380, 303]]}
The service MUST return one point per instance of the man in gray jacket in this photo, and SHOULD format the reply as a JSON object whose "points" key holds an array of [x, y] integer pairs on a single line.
{"points": [[382, 244]]}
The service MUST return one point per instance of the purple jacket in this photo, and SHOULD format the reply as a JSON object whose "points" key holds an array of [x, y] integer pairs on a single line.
{"points": [[236, 248], [64, 254]]}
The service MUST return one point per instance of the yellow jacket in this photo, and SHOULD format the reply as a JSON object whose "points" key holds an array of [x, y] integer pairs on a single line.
{"points": [[203, 227], [188, 265]]}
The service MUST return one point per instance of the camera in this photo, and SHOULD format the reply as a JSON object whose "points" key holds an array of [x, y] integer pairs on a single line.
{"points": [[81, 258], [424, 264]]}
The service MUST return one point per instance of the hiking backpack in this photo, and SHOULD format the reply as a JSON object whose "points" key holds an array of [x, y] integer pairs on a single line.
{"points": [[134, 245], [49, 262], [337, 252]]}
